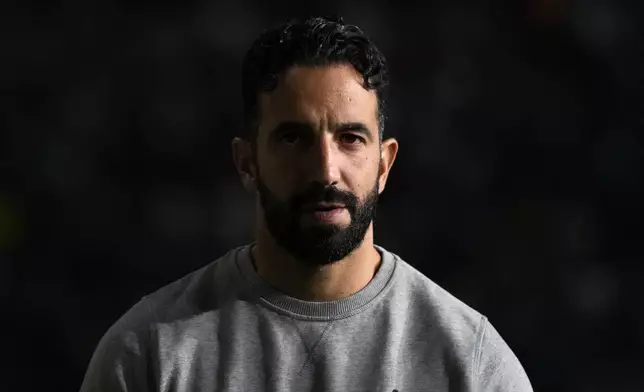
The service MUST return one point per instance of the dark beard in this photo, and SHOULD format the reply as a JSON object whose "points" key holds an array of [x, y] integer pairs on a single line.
{"points": [[323, 244]]}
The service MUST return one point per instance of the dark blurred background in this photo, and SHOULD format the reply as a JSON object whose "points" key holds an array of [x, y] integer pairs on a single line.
{"points": [[518, 186]]}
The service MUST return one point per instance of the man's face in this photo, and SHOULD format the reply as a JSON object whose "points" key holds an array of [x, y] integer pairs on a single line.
{"points": [[318, 142]]}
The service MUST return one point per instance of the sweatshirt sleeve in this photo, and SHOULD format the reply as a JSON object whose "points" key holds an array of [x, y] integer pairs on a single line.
{"points": [[119, 362], [497, 369]]}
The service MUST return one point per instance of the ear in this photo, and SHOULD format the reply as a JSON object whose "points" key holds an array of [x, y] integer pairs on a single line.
{"points": [[245, 163], [388, 153]]}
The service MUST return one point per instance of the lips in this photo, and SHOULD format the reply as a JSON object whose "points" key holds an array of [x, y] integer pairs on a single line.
{"points": [[323, 206]]}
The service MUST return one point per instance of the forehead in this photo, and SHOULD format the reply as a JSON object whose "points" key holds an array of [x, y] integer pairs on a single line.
{"points": [[320, 96]]}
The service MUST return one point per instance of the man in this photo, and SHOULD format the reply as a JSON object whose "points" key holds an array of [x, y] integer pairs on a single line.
{"points": [[312, 304]]}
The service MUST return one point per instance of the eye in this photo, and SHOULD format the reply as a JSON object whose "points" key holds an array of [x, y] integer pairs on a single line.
{"points": [[351, 138], [290, 137]]}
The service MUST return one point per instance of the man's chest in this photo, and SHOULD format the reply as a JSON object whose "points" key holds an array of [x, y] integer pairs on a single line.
{"points": [[305, 357]]}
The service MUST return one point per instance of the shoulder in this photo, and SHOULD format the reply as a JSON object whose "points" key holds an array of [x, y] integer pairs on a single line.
{"points": [[435, 319], [496, 367], [122, 347], [435, 304], [466, 335], [127, 342], [196, 292]]}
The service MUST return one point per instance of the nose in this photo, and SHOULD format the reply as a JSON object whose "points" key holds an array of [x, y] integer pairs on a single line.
{"points": [[325, 161]]}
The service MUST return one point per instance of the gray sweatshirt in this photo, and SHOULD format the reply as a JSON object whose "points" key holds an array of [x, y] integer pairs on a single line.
{"points": [[221, 328]]}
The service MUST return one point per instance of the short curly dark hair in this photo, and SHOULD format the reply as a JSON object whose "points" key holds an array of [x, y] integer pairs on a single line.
{"points": [[310, 42]]}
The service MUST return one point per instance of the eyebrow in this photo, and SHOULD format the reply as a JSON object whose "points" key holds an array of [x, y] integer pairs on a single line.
{"points": [[290, 126]]}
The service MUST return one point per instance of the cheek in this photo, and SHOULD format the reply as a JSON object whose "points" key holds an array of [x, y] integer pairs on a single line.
{"points": [[289, 172], [276, 178], [364, 176]]}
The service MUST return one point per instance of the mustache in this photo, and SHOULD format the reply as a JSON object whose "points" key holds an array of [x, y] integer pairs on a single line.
{"points": [[324, 193]]}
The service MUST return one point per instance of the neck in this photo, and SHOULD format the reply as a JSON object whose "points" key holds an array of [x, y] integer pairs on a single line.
{"points": [[307, 282]]}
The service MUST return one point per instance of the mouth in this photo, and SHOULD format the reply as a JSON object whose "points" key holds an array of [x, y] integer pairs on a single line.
{"points": [[323, 207], [325, 213]]}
